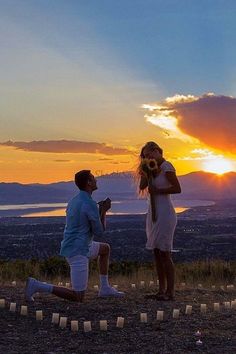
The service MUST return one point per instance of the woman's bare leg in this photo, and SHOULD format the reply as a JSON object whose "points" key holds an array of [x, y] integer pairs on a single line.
{"points": [[160, 271], [169, 271]]}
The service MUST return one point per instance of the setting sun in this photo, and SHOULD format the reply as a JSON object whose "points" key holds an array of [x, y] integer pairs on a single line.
{"points": [[218, 166]]}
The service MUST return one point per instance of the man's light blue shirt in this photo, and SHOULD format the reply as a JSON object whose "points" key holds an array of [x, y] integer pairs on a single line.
{"points": [[82, 223]]}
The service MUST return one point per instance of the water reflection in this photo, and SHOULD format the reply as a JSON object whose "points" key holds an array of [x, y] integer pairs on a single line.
{"points": [[62, 212]]}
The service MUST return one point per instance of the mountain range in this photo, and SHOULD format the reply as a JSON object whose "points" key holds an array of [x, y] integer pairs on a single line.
{"points": [[120, 186]]}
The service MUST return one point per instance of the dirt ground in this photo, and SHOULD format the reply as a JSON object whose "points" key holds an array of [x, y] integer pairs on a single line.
{"points": [[20, 334]]}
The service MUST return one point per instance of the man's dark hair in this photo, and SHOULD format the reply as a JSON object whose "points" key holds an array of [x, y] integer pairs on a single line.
{"points": [[81, 178]]}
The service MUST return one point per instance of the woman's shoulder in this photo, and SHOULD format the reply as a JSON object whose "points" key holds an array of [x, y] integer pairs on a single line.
{"points": [[167, 166]]}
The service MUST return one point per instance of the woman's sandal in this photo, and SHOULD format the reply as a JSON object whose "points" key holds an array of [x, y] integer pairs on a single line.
{"points": [[160, 297], [165, 297], [153, 296]]}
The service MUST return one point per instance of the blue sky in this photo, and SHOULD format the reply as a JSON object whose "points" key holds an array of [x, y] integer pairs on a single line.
{"points": [[186, 46]]}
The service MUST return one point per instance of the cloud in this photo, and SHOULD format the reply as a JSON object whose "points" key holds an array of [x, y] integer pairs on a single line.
{"points": [[66, 146], [105, 159], [201, 154], [210, 119], [62, 160]]}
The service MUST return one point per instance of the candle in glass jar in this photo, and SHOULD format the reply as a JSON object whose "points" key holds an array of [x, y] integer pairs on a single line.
{"points": [[55, 318], [87, 326], [103, 325], [199, 286], [133, 286], [182, 285], [151, 283], [213, 287], [233, 304], [12, 307], [14, 283], [203, 308], [2, 303], [227, 305], [230, 287], [176, 313], [67, 285], [63, 322], [115, 286], [95, 287], [142, 283], [39, 315], [160, 315], [24, 310], [143, 317], [216, 306], [74, 326], [120, 322], [188, 310]]}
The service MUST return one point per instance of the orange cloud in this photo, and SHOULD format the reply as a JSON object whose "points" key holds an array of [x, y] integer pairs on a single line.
{"points": [[105, 159], [209, 118], [66, 146]]}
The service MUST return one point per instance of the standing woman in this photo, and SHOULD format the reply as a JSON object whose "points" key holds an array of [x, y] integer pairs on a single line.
{"points": [[160, 229]]}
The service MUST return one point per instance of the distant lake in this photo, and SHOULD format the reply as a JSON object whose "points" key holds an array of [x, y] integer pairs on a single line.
{"points": [[137, 206]]}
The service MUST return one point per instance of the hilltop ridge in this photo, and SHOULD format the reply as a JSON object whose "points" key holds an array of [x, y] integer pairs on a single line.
{"points": [[195, 185]]}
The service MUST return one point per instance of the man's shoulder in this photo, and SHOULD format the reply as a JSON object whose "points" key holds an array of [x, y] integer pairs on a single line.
{"points": [[85, 204], [90, 203], [74, 199]]}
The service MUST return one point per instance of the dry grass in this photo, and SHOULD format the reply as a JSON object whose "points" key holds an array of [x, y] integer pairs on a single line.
{"points": [[207, 273]]}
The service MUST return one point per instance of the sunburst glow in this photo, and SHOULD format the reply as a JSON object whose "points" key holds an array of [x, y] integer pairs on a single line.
{"points": [[218, 166]]}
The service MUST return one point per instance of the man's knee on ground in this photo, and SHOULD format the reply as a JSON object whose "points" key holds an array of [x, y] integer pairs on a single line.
{"points": [[78, 296]]}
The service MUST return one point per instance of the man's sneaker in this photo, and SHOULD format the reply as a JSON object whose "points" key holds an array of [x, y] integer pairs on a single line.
{"points": [[30, 289], [110, 292]]}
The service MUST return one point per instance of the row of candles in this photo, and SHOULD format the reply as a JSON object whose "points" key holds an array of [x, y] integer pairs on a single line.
{"points": [[62, 321], [183, 285], [152, 283]]}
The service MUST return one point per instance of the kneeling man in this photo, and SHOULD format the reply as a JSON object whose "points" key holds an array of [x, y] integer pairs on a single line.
{"points": [[84, 220]]}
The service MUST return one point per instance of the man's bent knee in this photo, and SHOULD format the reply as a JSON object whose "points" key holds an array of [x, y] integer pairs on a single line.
{"points": [[104, 249], [78, 296]]}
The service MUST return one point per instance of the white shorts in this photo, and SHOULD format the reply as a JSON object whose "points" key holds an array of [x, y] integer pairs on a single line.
{"points": [[79, 267]]}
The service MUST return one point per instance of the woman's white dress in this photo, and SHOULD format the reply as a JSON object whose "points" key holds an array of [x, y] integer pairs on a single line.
{"points": [[160, 233]]}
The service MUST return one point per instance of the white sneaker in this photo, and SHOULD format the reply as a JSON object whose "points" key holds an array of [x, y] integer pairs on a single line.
{"points": [[30, 289], [110, 292]]}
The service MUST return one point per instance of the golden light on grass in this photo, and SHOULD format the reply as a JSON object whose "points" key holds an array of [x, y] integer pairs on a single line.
{"points": [[218, 166]]}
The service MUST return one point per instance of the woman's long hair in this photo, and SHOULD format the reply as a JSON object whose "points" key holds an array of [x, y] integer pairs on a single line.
{"points": [[152, 146]]}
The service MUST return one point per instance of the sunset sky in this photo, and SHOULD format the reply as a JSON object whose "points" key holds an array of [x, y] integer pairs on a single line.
{"points": [[84, 84]]}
